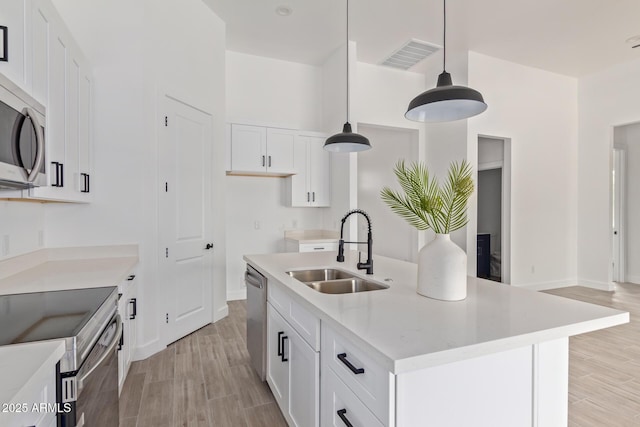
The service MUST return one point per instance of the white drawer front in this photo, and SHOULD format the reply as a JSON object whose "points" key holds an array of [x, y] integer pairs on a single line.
{"points": [[370, 384], [305, 323], [338, 399], [318, 247]]}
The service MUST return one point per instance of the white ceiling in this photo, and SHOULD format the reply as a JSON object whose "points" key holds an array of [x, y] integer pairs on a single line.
{"points": [[571, 37]]}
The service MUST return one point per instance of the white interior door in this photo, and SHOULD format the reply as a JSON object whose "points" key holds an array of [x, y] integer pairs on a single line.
{"points": [[185, 217], [618, 181]]}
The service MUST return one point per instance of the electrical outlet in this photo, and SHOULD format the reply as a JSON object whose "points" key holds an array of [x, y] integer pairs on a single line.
{"points": [[6, 245], [256, 225]]}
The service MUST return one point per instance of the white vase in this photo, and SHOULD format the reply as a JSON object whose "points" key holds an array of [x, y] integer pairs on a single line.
{"points": [[442, 270]]}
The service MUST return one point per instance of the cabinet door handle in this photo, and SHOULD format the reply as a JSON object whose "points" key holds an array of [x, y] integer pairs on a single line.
{"points": [[308, 196], [269, 161], [134, 303], [280, 352], [263, 160], [130, 278], [57, 166], [314, 196], [343, 359], [284, 359], [88, 183], [61, 166], [121, 342], [342, 413]]}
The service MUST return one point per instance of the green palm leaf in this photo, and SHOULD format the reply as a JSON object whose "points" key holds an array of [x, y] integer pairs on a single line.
{"points": [[424, 204]]}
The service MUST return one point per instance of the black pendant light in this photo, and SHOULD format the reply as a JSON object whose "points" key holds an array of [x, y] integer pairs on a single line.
{"points": [[445, 102], [347, 141]]}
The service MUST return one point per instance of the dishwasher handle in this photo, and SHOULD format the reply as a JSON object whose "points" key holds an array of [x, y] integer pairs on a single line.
{"points": [[252, 280]]}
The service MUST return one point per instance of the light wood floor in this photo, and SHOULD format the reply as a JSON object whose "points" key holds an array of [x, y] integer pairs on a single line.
{"points": [[203, 380], [604, 366]]}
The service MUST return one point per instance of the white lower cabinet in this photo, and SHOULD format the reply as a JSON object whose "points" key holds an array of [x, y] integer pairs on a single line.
{"points": [[341, 407], [293, 372], [128, 310]]}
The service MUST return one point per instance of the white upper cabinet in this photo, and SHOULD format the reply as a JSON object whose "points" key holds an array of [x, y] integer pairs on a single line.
{"points": [[310, 186], [61, 80], [13, 15], [258, 150]]}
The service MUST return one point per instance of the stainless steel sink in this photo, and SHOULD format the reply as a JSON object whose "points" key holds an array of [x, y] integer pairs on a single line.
{"points": [[332, 281], [345, 286], [319, 275]]}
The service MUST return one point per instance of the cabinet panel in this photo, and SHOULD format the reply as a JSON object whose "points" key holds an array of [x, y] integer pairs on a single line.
{"points": [[85, 131], [304, 384], [248, 148], [72, 145], [280, 150], [277, 370], [319, 172], [40, 24], [298, 184], [337, 400]]}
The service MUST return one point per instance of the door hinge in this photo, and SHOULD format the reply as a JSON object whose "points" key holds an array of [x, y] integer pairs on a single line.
{"points": [[166, 121], [166, 252], [167, 318], [166, 187]]}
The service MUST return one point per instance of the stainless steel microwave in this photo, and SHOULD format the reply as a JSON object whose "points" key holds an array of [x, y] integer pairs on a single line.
{"points": [[22, 144]]}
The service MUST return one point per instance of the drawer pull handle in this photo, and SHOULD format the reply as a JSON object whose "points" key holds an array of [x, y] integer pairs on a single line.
{"points": [[343, 359], [319, 249], [134, 305], [342, 413]]}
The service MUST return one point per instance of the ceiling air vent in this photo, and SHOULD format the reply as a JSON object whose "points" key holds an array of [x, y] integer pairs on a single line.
{"points": [[410, 54]]}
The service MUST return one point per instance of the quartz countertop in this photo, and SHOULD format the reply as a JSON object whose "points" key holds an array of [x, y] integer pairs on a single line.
{"points": [[404, 331], [20, 364], [312, 236], [68, 268]]}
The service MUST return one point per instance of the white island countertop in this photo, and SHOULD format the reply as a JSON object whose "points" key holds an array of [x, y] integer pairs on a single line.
{"points": [[405, 331]]}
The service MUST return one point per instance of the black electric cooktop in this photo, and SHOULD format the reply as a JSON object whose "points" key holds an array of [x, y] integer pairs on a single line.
{"points": [[48, 315]]}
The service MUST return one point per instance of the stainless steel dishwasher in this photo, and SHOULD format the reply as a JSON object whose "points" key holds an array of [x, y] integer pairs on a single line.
{"points": [[257, 320]]}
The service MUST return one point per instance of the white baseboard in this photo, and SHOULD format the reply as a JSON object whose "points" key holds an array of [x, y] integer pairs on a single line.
{"points": [[554, 284], [147, 350], [237, 294], [633, 279], [603, 286], [221, 313]]}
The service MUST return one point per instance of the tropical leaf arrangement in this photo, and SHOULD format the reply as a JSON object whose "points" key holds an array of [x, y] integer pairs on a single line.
{"points": [[424, 203]]}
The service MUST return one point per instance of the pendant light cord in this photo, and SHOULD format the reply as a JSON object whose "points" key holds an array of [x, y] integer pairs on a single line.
{"points": [[348, 106], [444, 35]]}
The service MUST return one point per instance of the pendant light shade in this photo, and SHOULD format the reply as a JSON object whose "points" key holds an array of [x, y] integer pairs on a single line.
{"points": [[347, 141], [445, 102]]}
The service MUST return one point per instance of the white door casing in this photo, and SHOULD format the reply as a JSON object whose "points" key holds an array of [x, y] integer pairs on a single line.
{"points": [[618, 205], [185, 217]]}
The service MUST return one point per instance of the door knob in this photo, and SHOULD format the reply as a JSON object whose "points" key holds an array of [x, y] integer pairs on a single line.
{"points": [[209, 246]]}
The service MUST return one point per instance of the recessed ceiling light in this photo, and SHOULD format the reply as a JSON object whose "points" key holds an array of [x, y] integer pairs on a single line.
{"points": [[284, 10]]}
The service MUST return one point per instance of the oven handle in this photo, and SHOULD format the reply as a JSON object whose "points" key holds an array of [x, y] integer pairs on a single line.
{"points": [[107, 353], [39, 140]]}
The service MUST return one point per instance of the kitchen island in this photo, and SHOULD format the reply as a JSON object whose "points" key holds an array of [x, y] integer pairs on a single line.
{"points": [[497, 358]]}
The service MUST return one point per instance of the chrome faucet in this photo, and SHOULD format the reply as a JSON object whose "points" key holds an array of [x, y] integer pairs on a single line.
{"points": [[361, 265]]}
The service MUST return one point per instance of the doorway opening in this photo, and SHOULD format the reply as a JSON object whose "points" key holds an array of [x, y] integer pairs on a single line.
{"points": [[625, 205], [493, 240], [397, 239]]}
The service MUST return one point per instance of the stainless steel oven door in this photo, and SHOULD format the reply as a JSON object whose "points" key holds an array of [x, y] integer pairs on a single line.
{"points": [[97, 381]]}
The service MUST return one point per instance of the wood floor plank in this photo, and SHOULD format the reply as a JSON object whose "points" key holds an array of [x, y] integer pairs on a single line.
{"points": [[190, 403], [157, 403], [268, 415], [132, 390], [226, 412], [249, 388]]}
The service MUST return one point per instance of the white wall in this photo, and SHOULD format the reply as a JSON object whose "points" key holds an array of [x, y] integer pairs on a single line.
{"points": [[273, 92], [606, 99], [538, 110], [21, 228], [392, 236], [138, 53], [268, 92], [628, 138]]}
